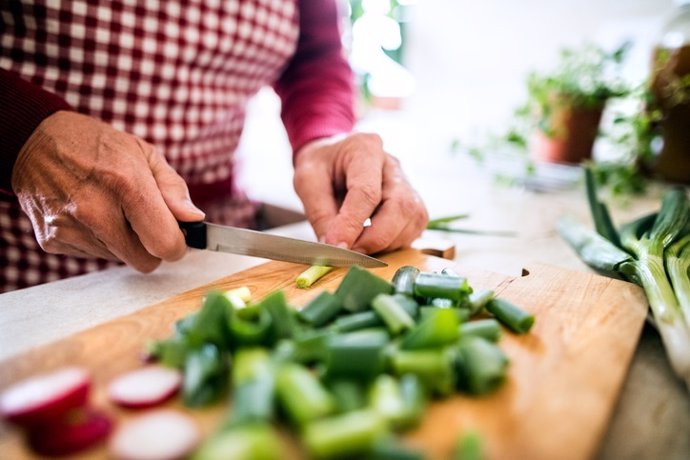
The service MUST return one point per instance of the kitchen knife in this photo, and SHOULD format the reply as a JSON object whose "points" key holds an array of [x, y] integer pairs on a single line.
{"points": [[203, 235]]}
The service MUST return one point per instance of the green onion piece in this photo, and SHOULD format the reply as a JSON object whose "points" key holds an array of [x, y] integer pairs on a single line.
{"points": [[208, 325], [488, 329], [322, 309], [414, 399], [250, 326], [408, 303], [357, 355], [253, 387], [404, 279], [311, 275], [481, 365], [283, 322], [469, 447], [307, 347], [463, 314], [479, 299], [440, 302], [242, 292], [393, 314], [386, 400], [357, 321], [301, 394], [348, 394], [436, 330], [205, 376], [390, 448], [433, 285], [251, 442], [170, 352], [351, 434], [434, 367], [359, 287], [516, 319]]}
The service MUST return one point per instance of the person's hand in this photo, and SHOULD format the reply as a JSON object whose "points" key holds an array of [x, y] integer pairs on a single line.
{"points": [[344, 181], [91, 190]]}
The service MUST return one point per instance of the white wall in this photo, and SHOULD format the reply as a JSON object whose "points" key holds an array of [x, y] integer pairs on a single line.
{"points": [[470, 58]]}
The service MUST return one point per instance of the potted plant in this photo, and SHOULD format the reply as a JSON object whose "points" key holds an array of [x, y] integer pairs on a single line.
{"points": [[565, 106]]}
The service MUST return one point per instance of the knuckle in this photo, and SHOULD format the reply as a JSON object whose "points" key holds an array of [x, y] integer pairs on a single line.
{"points": [[370, 194]]}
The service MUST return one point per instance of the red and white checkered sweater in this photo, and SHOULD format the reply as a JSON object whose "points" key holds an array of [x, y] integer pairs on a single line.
{"points": [[176, 73]]}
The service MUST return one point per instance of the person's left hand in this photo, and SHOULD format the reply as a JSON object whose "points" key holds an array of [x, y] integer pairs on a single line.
{"points": [[343, 181]]}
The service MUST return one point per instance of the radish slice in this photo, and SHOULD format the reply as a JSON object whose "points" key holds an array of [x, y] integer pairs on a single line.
{"points": [[162, 434], [77, 430], [145, 387], [45, 398]]}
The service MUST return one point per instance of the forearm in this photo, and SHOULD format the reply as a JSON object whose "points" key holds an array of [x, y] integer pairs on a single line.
{"points": [[23, 106], [316, 88]]}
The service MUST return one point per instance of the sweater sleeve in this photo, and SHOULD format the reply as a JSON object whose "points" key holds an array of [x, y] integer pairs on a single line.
{"points": [[316, 88], [23, 106]]}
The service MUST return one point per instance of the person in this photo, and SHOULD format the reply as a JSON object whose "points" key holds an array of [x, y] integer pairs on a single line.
{"points": [[119, 118]]}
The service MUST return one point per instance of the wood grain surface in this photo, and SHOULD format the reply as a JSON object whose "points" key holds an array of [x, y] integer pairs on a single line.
{"points": [[563, 381]]}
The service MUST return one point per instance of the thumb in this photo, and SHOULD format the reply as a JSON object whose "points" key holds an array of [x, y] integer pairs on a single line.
{"points": [[174, 191]]}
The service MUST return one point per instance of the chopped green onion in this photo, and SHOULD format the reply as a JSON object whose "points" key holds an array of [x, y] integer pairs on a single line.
{"points": [[253, 387], [481, 365], [516, 319], [404, 279], [322, 309], [488, 329], [283, 323], [359, 287], [479, 299], [205, 376], [463, 314], [301, 394], [434, 367], [357, 321], [358, 354], [311, 275], [255, 442], [392, 313], [408, 303], [433, 285], [250, 326], [436, 330], [385, 398], [469, 447], [392, 449], [348, 394], [350, 434]]}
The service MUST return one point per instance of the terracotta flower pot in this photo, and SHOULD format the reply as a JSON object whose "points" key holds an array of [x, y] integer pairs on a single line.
{"points": [[574, 131]]}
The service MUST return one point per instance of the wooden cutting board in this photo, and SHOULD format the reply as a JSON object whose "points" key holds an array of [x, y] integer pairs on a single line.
{"points": [[563, 381]]}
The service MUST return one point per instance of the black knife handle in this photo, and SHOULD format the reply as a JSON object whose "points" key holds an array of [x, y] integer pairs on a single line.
{"points": [[194, 234]]}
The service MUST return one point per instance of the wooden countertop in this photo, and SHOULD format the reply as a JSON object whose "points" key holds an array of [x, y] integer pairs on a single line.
{"points": [[653, 412]]}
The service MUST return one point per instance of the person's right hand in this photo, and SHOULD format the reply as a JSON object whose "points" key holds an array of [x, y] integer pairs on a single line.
{"points": [[91, 190]]}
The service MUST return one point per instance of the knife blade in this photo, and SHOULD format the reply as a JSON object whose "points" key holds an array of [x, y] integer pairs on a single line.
{"points": [[214, 237]]}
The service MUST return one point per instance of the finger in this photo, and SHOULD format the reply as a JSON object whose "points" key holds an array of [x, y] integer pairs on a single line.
{"points": [[103, 222], [64, 234], [384, 229], [363, 196], [174, 191], [125, 244], [405, 238], [148, 214], [314, 186]]}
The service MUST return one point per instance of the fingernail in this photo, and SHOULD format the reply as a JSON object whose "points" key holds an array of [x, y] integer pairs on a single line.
{"points": [[322, 239], [191, 207], [342, 245]]}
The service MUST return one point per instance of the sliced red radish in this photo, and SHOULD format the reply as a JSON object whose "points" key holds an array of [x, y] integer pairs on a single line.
{"points": [[145, 387], [162, 434], [77, 430], [45, 398]]}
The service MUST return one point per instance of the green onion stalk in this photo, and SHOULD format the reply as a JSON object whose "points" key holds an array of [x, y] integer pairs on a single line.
{"points": [[653, 252]]}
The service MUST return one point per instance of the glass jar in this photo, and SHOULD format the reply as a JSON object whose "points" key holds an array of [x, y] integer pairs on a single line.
{"points": [[670, 95]]}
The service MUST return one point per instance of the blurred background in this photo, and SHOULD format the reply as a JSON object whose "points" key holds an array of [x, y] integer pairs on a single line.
{"points": [[437, 73]]}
